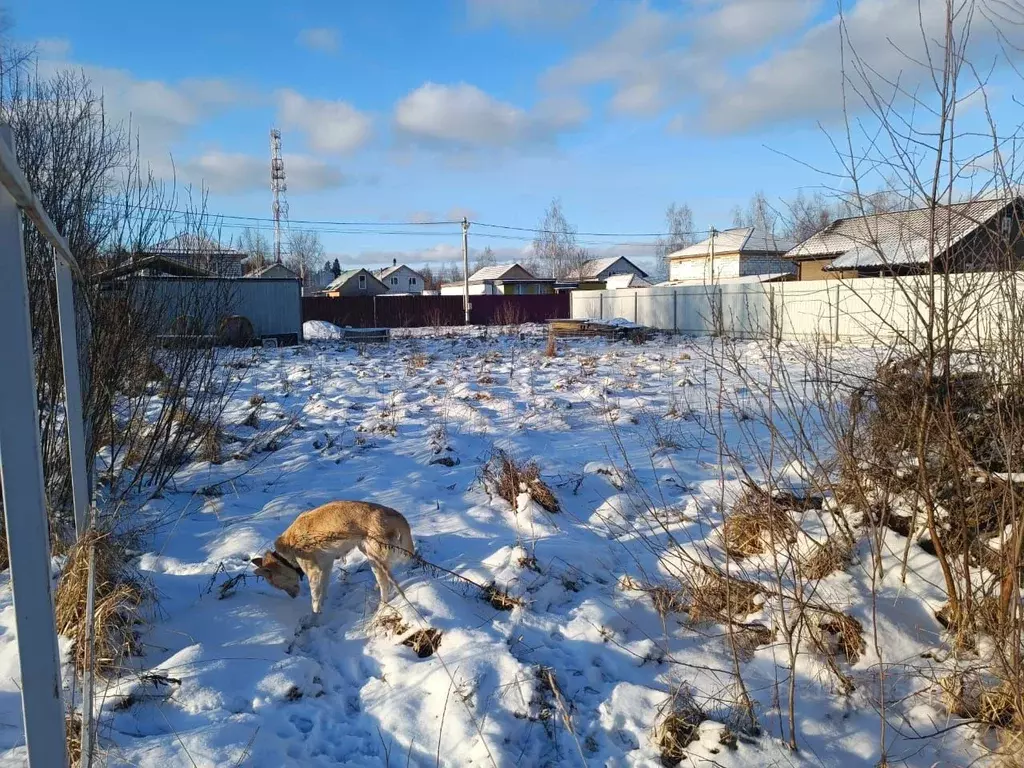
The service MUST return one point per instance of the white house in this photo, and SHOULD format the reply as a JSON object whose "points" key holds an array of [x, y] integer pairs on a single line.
{"points": [[401, 279], [599, 270], [615, 282], [731, 253], [502, 279]]}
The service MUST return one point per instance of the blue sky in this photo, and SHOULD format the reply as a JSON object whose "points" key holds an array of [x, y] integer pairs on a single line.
{"points": [[411, 110]]}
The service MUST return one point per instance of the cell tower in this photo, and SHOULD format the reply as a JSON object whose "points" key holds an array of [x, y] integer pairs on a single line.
{"points": [[279, 186]]}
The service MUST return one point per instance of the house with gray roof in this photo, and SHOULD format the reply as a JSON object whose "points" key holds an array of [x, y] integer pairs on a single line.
{"points": [[962, 237], [200, 251], [730, 254], [355, 282], [595, 273], [401, 279], [502, 279]]}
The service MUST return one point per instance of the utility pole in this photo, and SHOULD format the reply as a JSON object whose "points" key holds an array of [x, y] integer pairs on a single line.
{"points": [[465, 266], [711, 236]]}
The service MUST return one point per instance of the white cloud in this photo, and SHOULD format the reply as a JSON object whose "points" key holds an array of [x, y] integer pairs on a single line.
{"points": [[639, 59], [455, 213], [322, 39], [464, 116], [161, 113], [234, 172], [527, 13], [805, 80], [52, 47], [738, 24], [330, 126], [698, 58]]}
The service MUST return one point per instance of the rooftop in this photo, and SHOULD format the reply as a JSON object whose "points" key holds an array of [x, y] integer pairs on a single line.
{"points": [[897, 237], [737, 240]]}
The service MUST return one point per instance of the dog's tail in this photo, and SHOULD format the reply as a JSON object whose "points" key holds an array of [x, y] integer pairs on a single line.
{"points": [[402, 545]]}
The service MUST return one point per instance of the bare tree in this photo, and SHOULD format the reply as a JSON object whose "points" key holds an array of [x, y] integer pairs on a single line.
{"points": [[86, 172], [807, 216], [757, 213], [680, 233], [304, 252], [484, 258], [256, 246], [554, 248]]}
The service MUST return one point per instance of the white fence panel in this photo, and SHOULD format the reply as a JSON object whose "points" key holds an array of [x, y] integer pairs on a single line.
{"points": [[655, 307], [868, 310]]}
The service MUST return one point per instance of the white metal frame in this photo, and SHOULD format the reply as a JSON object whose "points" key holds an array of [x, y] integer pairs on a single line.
{"points": [[21, 463]]}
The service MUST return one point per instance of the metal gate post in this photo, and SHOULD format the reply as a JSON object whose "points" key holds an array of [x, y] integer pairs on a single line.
{"points": [[72, 394], [21, 472]]}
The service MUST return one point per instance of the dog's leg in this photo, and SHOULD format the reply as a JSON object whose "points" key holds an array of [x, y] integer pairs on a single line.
{"points": [[383, 577], [319, 574]]}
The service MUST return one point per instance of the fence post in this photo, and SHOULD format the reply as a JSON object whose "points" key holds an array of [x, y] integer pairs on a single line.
{"points": [[21, 473], [600, 305], [636, 306], [675, 310], [374, 311], [72, 393]]}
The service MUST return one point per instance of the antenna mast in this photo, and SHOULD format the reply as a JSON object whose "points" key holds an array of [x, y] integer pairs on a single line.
{"points": [[278, 186]]}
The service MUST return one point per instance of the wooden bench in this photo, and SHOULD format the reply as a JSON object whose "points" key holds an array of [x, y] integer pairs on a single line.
{"points": [[366, 335]]}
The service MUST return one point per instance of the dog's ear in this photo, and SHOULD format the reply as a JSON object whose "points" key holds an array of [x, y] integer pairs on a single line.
{"points": [[257, 561]]}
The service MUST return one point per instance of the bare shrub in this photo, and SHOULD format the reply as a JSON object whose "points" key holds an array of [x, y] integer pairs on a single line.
{"points": [[510, 314], [508, 478]]}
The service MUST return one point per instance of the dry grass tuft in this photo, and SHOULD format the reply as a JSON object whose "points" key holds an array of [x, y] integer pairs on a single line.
{"points": [[844, 632], [389, 622], [678, 728], [73, 738], [717, 597], [509, 479], [667, 600], [424, 642], [834, 555], [551, 350], [756, 520], [209, 444], [500, 598], [119, 595], [747, 638], [965, 694], [836, 635], [416, 362], [253, 419], [5, 561]]}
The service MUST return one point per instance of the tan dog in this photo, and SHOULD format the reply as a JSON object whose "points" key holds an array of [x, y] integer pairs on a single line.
{"points": [[317, 538]]}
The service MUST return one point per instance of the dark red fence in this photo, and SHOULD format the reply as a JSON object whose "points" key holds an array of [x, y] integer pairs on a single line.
{"points": [[425, 311]]}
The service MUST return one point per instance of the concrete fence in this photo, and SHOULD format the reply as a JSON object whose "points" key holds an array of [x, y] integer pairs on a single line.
{"points": [[979, 306]]}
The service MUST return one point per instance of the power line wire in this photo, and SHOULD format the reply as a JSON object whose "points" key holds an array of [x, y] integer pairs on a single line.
{"points": [[333, 223]]}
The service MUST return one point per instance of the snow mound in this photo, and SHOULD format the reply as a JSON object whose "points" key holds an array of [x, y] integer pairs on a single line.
{"points": [[320, 330]]}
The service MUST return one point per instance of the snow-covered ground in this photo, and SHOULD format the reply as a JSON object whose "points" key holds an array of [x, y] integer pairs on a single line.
{"points": [[578, 673]]}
